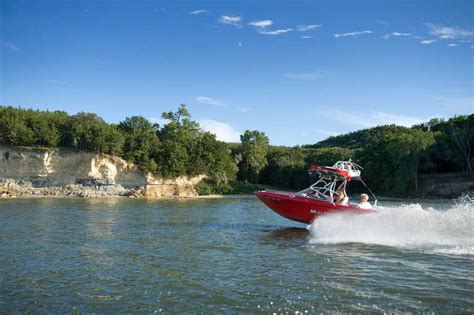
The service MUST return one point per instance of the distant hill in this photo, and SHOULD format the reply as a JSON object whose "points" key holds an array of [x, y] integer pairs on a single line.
{"points": [[357, 139]]}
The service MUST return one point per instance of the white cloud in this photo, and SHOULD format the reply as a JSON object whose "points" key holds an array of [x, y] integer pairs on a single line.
{"points": [[208, 101], [261, 23], [196, 12], [358, 33], [453, 45], [448, 32], [276, 32], [306, 36], [303, 76], [12, 47], [304, 28], [396, 34], [223, 131], [372, 119], [231, 20], [159, 121], [401, 120], [427, 41], [242, 109]]}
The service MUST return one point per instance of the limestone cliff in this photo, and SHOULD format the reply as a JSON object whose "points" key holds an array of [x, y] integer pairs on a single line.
{"points": [[63, 172]]}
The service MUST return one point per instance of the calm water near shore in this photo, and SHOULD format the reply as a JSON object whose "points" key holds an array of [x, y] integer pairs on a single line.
{"points": [[232, 255]]}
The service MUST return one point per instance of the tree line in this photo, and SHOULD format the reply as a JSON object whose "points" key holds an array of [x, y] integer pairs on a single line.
{"points": [[392, 156], [179, 147]]}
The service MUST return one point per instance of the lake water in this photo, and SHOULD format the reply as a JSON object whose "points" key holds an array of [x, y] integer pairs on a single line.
{"points": [[232, 256]]}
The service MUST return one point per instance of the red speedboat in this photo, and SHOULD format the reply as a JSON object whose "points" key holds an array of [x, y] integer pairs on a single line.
{"points": [[318, 199]]}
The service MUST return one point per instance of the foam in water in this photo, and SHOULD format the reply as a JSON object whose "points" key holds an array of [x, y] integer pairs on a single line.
{"points": [[409, 226]]}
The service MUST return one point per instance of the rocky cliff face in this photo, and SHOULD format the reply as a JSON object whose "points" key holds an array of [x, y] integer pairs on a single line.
{"points": [[62, 172]]}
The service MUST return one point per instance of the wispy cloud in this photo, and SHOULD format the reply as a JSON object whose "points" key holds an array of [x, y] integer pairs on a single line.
{"points": [[208, 101], [453, 45], [357, 33], [305, 28], [223, 131], [396, 34], [428, 41], [372, 119], [276, 32], [459, 104], [196, 12], [59, 82], [401, 120], [231, 20], [12, 47], [382, 22], [243, 109], [306, 36], [261, 23], [448, 32], [308, 76]]}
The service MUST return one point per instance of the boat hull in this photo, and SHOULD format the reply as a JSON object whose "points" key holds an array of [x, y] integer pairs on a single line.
{"points": [[301, 209]]}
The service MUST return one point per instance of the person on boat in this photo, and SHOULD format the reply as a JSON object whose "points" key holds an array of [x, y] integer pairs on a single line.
{"points": [[364, 202], [341, 197]]}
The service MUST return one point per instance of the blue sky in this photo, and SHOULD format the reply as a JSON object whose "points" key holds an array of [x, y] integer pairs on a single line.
{"points": [[298, 70]]}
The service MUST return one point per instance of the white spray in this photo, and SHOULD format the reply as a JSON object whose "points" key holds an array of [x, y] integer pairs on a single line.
{"points": [[407, 226]]}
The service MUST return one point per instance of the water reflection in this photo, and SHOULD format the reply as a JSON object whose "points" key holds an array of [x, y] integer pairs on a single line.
{"points": [[291, 234]]}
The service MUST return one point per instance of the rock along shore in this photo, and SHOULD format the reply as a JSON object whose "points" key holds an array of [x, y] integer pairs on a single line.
{"points": [[32, 172]]}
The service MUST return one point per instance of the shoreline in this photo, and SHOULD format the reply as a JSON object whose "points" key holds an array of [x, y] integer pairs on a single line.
{"points": [[216, 196]]}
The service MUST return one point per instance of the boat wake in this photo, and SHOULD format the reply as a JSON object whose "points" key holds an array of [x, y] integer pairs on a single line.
{"points": [[449, 231]]}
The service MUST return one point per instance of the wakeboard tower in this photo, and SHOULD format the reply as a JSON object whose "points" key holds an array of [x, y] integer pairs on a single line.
{"points": [[319, 198]]}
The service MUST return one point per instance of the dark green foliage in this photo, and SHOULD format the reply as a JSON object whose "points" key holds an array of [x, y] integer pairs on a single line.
{"points": [[180, 147], [204, 188], [253, 152], [391, 161], [328, 155], [288, 167], [31, 128], [454, 148], [392, 156], [209, 187], [141, 142], [357, 139], [187, 149], [86, 131]]}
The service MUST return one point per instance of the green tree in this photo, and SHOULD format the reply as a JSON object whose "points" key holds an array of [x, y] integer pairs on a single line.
{"points": [[454, 150], [327, 156], [141, 143], [86, 131], [13, 127], [254, 149], [391, 160]]}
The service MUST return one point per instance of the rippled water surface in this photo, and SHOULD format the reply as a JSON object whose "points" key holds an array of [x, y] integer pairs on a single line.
{"points": [[234, 255]]}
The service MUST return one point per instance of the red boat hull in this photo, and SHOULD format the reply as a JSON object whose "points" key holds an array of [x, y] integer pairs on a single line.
{"points": [[301, 209]]}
